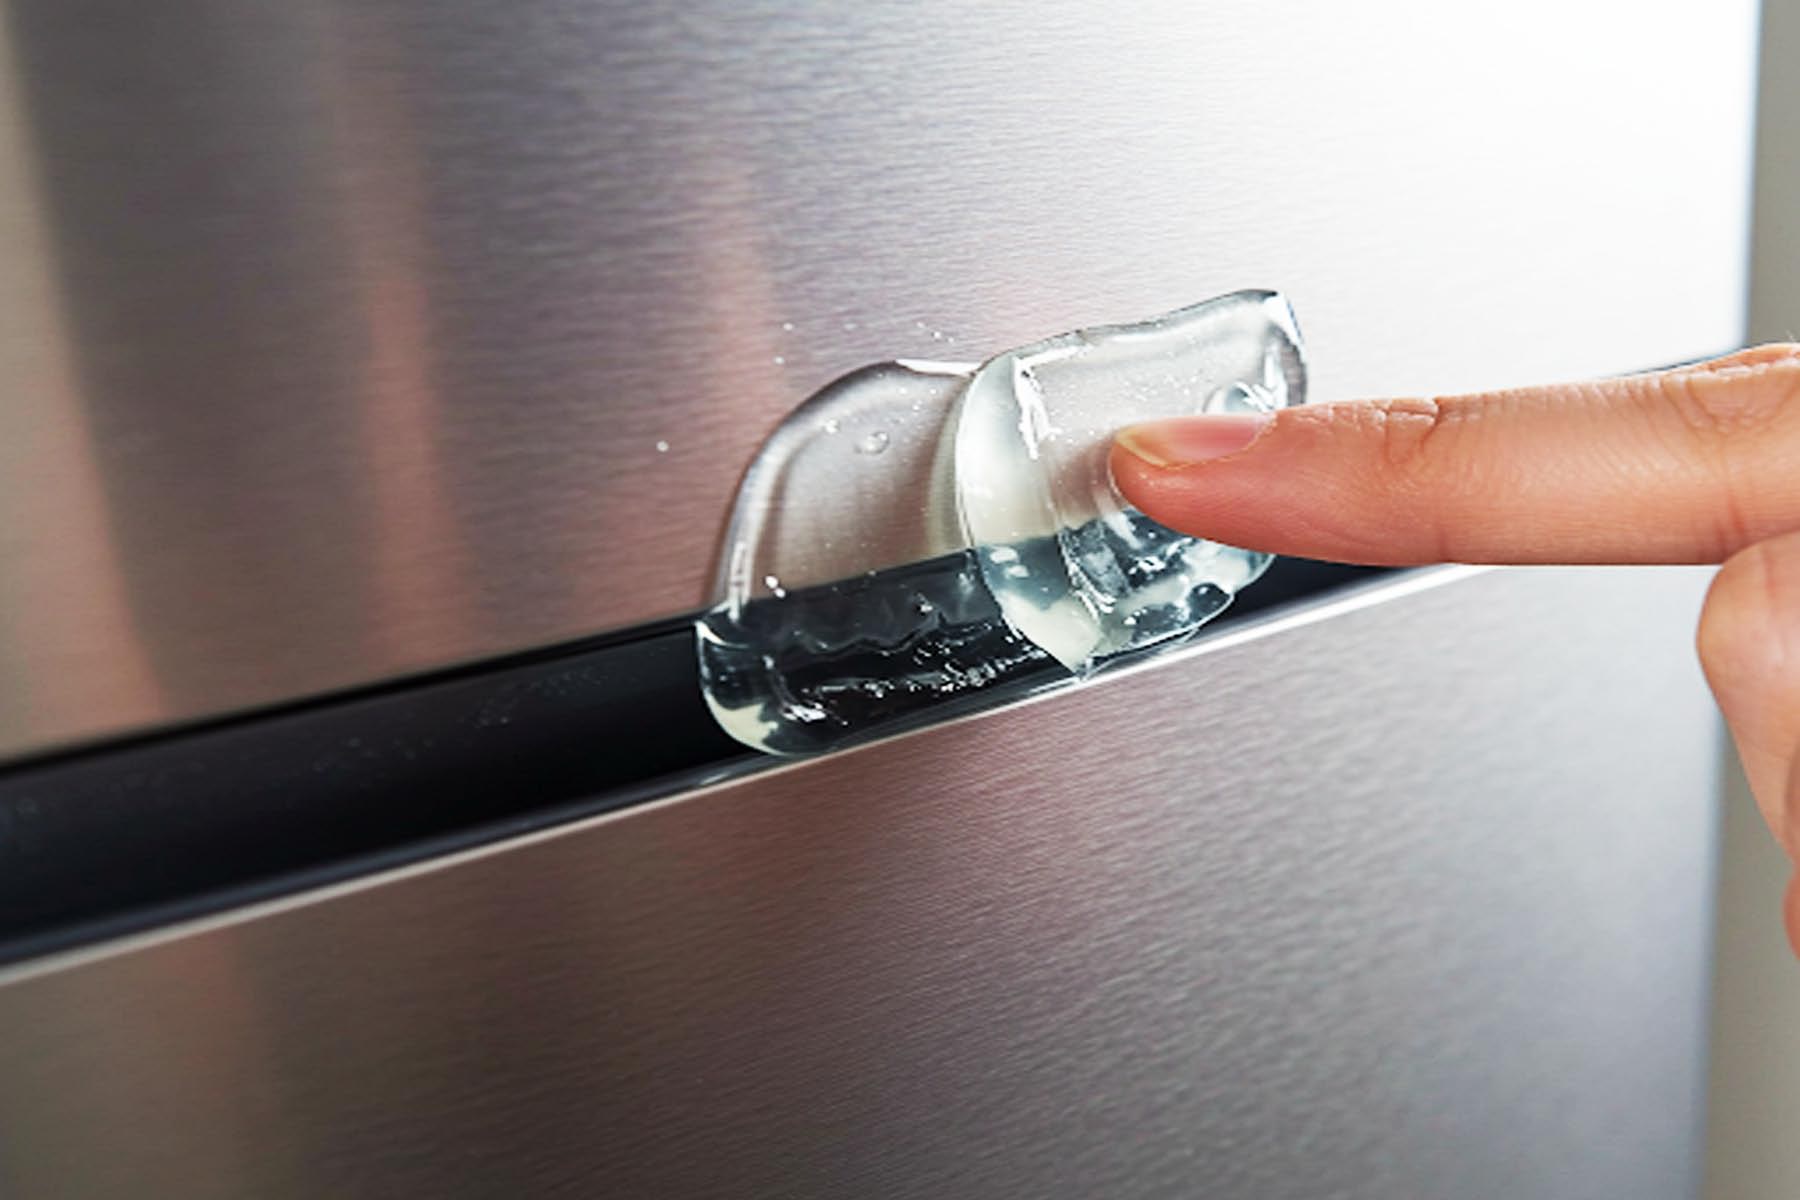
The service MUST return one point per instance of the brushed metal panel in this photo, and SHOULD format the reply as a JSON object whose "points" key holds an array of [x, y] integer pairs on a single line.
{"points": [[339, 335], [1412, 901]]}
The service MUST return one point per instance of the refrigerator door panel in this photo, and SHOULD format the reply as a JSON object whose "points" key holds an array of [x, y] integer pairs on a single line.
{"points": [[344, 340], [1403, 895]]}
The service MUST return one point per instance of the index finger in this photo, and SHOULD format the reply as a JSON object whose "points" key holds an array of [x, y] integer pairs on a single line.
{"points": [[1686, 465]]}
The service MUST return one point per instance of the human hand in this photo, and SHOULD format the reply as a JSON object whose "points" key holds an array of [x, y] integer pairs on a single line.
{"points": [[1697, 464]]}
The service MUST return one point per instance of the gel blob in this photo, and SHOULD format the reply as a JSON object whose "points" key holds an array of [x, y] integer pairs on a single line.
{"points": [[919, 539]]}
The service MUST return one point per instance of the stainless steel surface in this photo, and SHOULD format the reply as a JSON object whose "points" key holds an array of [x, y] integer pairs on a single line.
{"points": [[1410, 902], [339, 336]]}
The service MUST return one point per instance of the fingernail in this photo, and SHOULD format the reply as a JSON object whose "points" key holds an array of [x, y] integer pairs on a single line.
{"points": [[1179, 441]]}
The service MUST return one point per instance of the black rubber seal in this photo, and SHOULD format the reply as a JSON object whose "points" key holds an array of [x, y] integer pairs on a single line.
{"points": [[116, 838]]}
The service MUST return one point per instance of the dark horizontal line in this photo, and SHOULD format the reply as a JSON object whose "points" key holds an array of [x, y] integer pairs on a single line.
{"points": [[110, 743], [105, 840]]}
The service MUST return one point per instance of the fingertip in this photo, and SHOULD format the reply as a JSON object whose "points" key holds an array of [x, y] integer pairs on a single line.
{"points": [[1185, 441], [1152, 463], [1131, 475], [1169, 495]]}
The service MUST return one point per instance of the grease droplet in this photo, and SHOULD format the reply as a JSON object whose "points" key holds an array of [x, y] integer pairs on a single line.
{"points": [[662, 447], [874, 443]]}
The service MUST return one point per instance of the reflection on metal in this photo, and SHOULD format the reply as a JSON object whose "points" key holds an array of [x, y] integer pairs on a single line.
{"points": [[1411, 901], [346, 339]]}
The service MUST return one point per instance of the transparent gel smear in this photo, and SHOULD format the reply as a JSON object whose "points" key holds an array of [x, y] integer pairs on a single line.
{"points": [[1074, 568], [919, 539]]}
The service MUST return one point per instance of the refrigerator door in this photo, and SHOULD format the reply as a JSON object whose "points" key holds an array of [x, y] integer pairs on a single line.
{"points": [[347, 340], [344, 341], [1404, 896]]}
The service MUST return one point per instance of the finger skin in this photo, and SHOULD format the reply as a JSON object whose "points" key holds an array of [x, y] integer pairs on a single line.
{"points": [[1749, 645], [1688, 465]]}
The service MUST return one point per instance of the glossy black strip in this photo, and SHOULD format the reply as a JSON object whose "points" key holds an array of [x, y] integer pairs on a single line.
{"points": [[115, 838]]}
